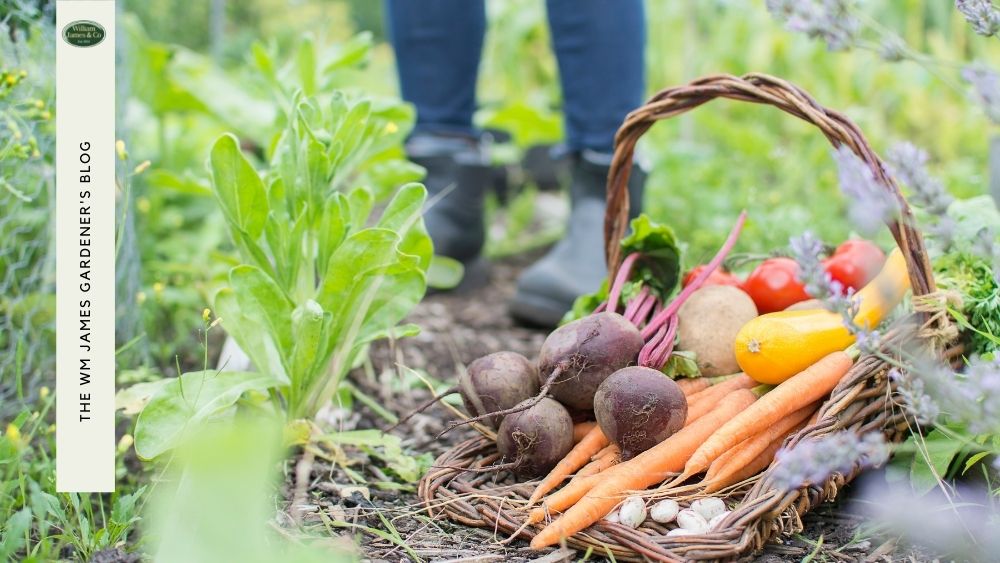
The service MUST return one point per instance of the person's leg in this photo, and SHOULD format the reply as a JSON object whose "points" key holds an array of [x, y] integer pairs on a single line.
{"points": [[599, 44], [438, 44]]}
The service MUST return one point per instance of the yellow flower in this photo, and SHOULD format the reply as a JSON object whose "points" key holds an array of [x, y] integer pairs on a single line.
{"points": [[143, 205], [158, 289], [46, 115], [39, 104], [391, 127], [120, 149], [140, 297], [142, 167], [11, 80], [13, 435], [205, 314], [24, 74], [43, 392]]}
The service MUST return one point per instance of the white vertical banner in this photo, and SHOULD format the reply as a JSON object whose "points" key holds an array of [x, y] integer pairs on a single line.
{"points": [[85, 245]]}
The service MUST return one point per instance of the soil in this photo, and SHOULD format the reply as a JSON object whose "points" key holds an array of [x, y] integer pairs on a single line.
{"points": [[456, 329]]}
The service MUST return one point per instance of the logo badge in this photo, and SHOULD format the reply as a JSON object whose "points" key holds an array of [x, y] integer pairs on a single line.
{"points": [[83, 33]]}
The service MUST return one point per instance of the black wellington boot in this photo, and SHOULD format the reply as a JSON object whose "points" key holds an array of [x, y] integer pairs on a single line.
{"points": [[576, 264], [458, 175]]}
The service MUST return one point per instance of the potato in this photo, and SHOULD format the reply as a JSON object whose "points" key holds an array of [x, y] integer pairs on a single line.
{"points": [[807, 305], [708, 323]]}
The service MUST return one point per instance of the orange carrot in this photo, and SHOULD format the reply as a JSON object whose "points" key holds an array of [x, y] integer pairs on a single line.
{"points": [[578, 486], [691, 385], [791, 395], [704, 401], [607, 450], [581, 429], [580, 455], [746, 451], [648, 468], [753, 467]]}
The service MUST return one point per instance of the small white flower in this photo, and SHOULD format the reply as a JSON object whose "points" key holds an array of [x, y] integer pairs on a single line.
{"points": [[664, 511], [632, 512], [709, 507]]}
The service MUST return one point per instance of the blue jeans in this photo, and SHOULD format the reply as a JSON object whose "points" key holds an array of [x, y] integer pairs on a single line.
{"points": [[598, 43]]}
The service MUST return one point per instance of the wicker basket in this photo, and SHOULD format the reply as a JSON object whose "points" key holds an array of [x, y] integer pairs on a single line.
{"points": [[862, 402]]}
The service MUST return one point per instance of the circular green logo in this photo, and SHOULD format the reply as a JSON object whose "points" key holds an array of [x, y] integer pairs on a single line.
{"points": [[83, 33]]}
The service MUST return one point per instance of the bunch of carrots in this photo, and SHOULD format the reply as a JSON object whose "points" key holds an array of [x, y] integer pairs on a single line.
{"points": [[733, 429]]}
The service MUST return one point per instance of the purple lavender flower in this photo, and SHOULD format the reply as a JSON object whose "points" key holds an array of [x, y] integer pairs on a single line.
{"points": [[981, 14], [915, 398], [829, 20], [986, 84], [909, 164], [870, 203], [813, 460], [977, 397], [893, 49]]}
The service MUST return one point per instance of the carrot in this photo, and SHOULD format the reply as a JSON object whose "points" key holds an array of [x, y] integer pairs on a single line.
{"points": [[748, 450], [578, 486], [704, 401], [751, 468], [719, 390], [580, 455], [690, 386], [791, 395], [607, 450], [580, 429], [645, 469]]}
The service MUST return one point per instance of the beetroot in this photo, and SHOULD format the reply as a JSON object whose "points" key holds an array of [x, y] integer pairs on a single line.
{"points": [[577, 357], [497, 382], [533, 440], [639, 407]]}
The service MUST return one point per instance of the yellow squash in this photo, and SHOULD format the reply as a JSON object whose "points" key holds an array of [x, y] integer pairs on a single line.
{"points": [[776, 346]]}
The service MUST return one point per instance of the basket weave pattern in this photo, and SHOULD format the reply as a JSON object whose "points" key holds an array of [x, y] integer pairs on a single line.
{"points": [[862, 402]]}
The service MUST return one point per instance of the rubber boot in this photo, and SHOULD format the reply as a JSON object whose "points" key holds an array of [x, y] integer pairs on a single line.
{"points": [[458, 175], [576, 264]]}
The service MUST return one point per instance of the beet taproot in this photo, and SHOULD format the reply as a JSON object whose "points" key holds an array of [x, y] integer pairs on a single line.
{"points": [[639, 407], [578, 356]]}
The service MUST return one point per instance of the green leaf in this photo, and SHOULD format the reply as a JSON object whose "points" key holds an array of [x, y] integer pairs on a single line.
{"points": [[404, 214], [941, 450], [660, 264], [973, 460], [189, 400], [15, 529], [354, 259], [307, 324], [444, 272], [250, 334], [305, 61], [682, 364], [262, 300], [350, 53], [238, 187]]}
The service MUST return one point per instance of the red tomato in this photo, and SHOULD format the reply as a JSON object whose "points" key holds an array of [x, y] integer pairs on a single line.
{"points": [[774, 285], [717, 277], [855, 263]]}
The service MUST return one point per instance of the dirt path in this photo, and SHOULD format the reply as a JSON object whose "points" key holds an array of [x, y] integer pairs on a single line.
{"points": [[457, 329]]}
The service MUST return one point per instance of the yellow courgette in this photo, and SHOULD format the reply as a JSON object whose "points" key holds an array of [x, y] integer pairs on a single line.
{"points": [[773, 347]]}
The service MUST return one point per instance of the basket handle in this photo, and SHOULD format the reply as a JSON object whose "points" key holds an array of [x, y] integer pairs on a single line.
{"points": [[759, 89]]}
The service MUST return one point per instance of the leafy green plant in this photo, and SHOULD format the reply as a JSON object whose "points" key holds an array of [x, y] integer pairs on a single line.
{"points": [[320, 277]]}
